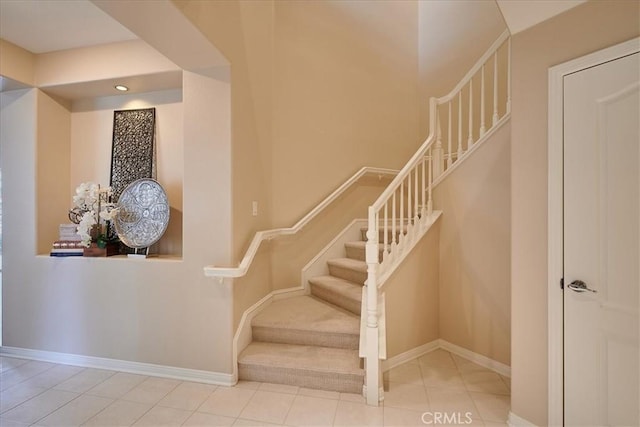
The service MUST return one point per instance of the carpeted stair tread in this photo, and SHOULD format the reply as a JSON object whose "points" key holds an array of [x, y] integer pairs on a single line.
{"points": [[305, 366], [337, 291], [348, 269], [357, 250], [305, 320], [314, 358]]}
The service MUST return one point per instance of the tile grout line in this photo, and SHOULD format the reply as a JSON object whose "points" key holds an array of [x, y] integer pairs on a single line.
{"points": [[406, 379]]}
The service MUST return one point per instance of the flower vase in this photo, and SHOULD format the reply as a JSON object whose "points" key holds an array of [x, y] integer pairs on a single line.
{"points": [[94, 250], [95, 232]]}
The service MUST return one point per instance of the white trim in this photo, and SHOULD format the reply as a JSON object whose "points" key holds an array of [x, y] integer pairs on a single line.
{"points": [[555, 214], [516, 421], [467, 154], [409, 355], [476, 358], [429, 222], [476, 67], [260, 236], [244, 333], [185, 374]]}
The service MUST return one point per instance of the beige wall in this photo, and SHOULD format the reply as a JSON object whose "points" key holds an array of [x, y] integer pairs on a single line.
{"points": [[587, 28], [159, 311], [475, 282], [243, 32], [53, 155], [135, 57], [16, 63], [291, 253], [411, 297], [320, 89], [445, 51], [345, 96]]}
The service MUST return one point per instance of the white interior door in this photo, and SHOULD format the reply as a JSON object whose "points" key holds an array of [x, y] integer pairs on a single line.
{"points": [[601, 244]]}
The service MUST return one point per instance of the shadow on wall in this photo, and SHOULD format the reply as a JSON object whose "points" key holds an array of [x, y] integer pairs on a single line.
{"points": [[475, 251], [171, 241]]}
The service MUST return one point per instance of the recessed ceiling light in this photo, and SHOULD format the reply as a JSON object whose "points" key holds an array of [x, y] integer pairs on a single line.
{"points": [[121, 88]]}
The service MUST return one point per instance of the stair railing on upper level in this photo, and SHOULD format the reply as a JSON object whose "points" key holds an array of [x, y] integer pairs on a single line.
{"points": [[404, 210]]}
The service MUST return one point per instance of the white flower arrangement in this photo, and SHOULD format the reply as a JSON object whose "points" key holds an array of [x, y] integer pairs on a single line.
{"points": [[92, 206]]}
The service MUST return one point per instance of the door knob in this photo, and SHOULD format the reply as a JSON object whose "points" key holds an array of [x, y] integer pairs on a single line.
{"points": [[580, 286]]}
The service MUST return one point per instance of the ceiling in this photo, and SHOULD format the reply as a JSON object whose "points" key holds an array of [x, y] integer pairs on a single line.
{"points": [[522, 14], [41, 26]]}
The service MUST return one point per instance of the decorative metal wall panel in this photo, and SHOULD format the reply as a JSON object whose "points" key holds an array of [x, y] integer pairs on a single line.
{"points": [[143, 213], [133, 147]]}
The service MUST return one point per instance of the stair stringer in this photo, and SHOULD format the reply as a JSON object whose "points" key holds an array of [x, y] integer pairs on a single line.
{"points": [[382, 332], [416, 234]]}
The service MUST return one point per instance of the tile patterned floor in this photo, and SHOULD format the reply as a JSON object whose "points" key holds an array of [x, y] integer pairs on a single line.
{"points": [[421, 392]]}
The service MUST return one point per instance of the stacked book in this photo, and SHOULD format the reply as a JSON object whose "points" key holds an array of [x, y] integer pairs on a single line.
{"points": [[68, 243]]}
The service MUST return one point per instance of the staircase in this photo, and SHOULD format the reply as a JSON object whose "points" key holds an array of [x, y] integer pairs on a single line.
{"points": [[312, 341]]}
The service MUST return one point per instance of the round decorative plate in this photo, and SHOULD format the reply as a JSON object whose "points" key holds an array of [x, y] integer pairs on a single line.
{"points": [[143, 213]]}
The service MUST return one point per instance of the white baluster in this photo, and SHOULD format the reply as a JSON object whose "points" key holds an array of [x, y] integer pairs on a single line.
{"points": [[416, 208], [439, 165], [495, 89], [409, 199], [386, 232], [460, 124], [430, 202], [423, 189], [394, 241], [400, 236], [449, 137], [483, 129], [372, 263], [470, 139], [509, 75]]}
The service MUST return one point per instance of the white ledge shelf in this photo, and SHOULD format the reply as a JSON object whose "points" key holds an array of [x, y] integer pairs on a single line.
{"points": [[151, 258]]}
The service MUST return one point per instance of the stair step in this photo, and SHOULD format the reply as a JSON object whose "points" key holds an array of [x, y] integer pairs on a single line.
{"points": [[357, 250], [304, 366], [304, 320], [340, 292], [348, 269]]}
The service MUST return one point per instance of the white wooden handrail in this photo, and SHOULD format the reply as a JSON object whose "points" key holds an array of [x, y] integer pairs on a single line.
{"points": [[477, 66], [260, 236], [409, 195]]}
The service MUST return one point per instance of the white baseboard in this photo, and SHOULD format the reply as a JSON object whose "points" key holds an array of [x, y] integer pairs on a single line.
{"points": [[243, 335], [476, 358], [183, 374], [516, 421], [414, 353]]}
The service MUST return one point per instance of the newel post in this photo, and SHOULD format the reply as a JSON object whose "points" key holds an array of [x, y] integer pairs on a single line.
{"points": [[372, 362]]}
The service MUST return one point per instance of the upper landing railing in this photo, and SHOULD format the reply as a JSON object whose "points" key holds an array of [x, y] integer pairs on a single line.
{"points": [[468, 114]]}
